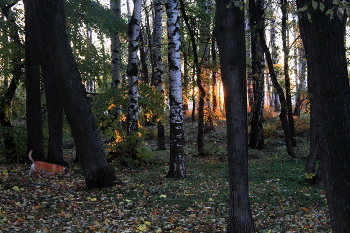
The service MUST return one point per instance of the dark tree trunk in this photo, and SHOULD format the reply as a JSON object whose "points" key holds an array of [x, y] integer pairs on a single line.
{"points": [[258, 66], [230, 37], [55, 117], [10, 92], [324, 47], [193, 115], [144, 69], [35, 137], [284, 5], [56, 49], [277, 86], [213, 57], [318, 142], [200, 134]]}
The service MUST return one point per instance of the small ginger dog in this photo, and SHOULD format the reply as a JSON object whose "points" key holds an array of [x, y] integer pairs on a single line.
{"points": [[48, 168]]}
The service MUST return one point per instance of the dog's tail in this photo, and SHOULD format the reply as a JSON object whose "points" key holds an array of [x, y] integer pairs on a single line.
{"points": [[30, 156]]}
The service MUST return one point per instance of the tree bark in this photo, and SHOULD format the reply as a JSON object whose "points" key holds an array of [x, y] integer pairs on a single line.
{"points": [[10, 92], [55, 48], [277, 86], [144, 69], [133, 36], [200, 134], [115, 46], [177, 159], [258, 66], [284, 5], [158, 31], [230, 36], [324, 47]]}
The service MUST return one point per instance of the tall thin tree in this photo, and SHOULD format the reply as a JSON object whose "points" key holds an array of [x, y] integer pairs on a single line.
{"points": [[133, 37], [177, 158], [158, 31]]}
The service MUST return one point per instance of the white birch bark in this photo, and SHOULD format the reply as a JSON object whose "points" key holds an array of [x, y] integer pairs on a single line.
{"points": [[158, 8], [177, 160], [115, 46], [133, 37]]}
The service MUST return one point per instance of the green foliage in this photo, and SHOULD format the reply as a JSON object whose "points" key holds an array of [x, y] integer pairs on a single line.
{"points": [[127, 150]]}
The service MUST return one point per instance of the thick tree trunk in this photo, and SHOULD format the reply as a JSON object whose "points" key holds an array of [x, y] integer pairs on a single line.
{"points": [[55, 116], [55, 48], [231, 42], [158, 8], [284, 6], [258, 66], [177, 157], [133, 36], [324, 47]]}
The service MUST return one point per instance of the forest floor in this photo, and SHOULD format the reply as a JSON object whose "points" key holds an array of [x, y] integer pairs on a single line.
{"points": [[149, 202]]}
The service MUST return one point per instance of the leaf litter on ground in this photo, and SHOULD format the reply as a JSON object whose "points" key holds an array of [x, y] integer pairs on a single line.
{"points": [[150, 202]]}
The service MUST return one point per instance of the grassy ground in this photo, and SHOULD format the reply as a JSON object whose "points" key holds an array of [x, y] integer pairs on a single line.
{"points": [[149, 202]]}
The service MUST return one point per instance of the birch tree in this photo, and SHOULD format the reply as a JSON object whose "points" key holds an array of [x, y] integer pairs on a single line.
{"points": [[258, 66], [158, 8], [115, 46], [133, 37], [177, 160]]}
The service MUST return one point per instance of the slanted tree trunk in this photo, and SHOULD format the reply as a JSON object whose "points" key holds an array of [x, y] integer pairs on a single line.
{"points": [[177, 157], [55, 48], [284, 5], [277, 86], [6, 100], [324, 47], [230, 37], [197, 68], [258, 66], [158, 8], [133, 37]]}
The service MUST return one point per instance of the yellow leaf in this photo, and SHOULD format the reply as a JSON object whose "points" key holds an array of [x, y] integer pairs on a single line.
{"points": [[15, 188], [142, 227], [158, 230], [147, 223], [210, 199], [93, 199], [127, 200], [162, 196]]}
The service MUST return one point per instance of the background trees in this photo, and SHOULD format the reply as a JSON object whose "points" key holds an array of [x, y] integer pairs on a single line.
{"points": [[78, 67]]}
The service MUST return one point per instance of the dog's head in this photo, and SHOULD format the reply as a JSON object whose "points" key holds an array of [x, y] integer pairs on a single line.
{"points": [[66, 172]]}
